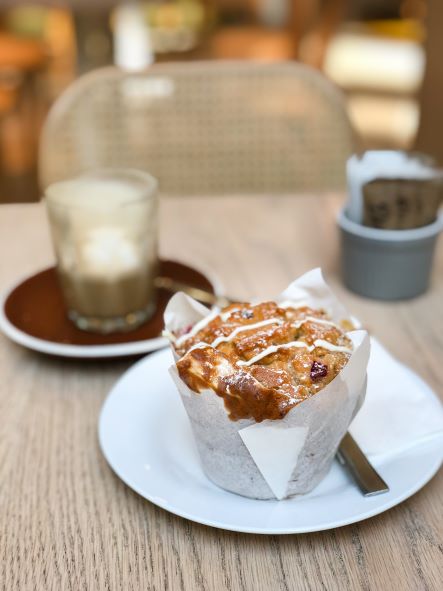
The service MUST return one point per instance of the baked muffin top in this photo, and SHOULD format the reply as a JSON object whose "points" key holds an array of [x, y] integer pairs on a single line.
{"points": [[262, 359]]}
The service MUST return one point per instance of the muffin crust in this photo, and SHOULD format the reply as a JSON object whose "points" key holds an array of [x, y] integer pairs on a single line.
{"points": [[262, 359]]}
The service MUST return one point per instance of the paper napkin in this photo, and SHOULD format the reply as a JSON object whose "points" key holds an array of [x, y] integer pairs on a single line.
{"points": [[399, 412]]}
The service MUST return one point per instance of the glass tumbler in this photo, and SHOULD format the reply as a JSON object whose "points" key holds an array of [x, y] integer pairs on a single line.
{"points": [[104, 231]]}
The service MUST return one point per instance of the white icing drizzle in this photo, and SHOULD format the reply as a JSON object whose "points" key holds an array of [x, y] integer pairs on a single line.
{"points": [[295, 305], [274, 349], [313, 319], [299, 344], [243, 328], [225, 315], [330, 346], [196, 328], [199, 345], [169, 335], [269, 350]]}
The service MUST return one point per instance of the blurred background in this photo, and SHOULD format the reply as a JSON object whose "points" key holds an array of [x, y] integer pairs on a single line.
{"points": [[377, 51]]}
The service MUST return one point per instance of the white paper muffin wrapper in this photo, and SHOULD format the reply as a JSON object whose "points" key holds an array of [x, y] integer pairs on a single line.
{"points": [[275, 459]]}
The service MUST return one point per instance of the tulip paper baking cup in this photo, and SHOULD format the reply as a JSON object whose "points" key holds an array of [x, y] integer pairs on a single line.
{"points": [[280, 458]]}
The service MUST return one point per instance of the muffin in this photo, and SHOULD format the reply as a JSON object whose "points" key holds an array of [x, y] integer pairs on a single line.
{"points": [[270, 389]]}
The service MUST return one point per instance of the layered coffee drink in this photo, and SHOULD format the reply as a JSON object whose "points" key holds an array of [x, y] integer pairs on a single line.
{"points": [[104, 228]]}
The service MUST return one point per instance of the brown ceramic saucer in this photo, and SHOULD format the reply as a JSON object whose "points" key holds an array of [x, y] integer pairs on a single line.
{"points": [[33, 314]]}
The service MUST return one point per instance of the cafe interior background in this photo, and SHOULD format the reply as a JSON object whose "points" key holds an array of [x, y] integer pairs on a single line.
{"points": [[376, 51], [61, 509]]}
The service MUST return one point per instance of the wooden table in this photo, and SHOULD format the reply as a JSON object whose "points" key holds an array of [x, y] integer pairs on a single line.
{"points": [[67, 522]]}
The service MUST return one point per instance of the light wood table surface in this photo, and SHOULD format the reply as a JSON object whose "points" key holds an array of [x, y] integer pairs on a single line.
{"points": [[67, 522]]}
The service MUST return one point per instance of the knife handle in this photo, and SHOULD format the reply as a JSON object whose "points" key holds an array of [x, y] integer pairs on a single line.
{"points": [[367, 478]]}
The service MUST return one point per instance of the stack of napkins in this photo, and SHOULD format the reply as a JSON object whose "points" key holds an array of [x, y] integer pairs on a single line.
{"points": [[393, 190]]}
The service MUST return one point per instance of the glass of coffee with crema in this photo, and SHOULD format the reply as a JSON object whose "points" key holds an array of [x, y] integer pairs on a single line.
{"points": [[104, 230]]}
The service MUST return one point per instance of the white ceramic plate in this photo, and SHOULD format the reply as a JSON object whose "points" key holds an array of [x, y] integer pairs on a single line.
{"points": [[146, 437]]}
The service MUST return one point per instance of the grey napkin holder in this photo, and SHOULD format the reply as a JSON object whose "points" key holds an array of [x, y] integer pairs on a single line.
{"points": [[387, 264]]}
